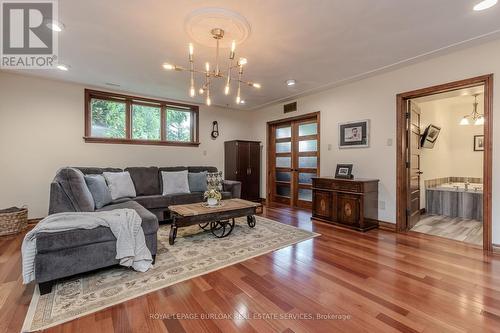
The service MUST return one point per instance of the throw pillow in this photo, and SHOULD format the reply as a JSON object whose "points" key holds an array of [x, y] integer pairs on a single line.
{"points": [[175, 182], [120, 184], [99, 189], [215, 180], [197, 181]]}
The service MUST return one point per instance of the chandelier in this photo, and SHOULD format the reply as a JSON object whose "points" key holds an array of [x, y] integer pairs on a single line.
{"points": [[475, 116], [233, 66]]}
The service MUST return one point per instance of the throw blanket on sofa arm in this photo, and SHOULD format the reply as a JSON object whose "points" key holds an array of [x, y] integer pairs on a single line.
{"points": [[125, 224]]}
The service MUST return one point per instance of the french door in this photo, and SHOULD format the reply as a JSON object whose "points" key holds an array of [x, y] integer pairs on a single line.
{"points": [[293, 160]]}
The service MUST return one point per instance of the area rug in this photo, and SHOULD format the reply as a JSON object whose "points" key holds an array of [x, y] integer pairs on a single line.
{"points": [[196, 252]]}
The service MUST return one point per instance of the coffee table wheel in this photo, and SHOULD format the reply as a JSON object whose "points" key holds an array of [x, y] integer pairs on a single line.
{"points": [[251, 221], [221, 229], [172, 235], [205, 226]]}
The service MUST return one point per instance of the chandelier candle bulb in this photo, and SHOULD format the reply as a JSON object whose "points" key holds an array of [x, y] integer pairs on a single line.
{"points": [[191, 50], [233, 47], [216, 73]]}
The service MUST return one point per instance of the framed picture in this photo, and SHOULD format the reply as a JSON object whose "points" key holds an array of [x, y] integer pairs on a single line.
{"points": [[478, 142], [344, 171], [430, 136], [354, 134]]}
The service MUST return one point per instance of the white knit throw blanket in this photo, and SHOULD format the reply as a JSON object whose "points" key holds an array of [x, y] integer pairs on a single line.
{"points": [[125, 224]]}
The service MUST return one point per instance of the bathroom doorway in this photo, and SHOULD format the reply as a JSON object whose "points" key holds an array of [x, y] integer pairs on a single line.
{"points": [[444, 161]]}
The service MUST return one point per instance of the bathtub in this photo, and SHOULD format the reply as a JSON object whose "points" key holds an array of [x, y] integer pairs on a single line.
{"points": [[456, 200], [468, 187]]}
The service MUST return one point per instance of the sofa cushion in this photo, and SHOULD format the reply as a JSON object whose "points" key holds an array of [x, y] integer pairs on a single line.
{"points": [[196, 169], [155, 201], [146, 180], [187, 198], [100, 191], [226, 195], [120, 184], [172, 169], [215, 181], [197, 181], [73, 183], [97, 171], [175, 182], [47, 241]]}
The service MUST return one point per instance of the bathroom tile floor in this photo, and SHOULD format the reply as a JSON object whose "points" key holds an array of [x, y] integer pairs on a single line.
{"points": [[469, 231]]}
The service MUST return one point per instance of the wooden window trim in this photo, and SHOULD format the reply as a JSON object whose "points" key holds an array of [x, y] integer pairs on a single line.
{"points": [[129, 101]]}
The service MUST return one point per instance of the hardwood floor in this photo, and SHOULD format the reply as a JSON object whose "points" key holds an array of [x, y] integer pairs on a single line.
{"points": [[377, 281]]}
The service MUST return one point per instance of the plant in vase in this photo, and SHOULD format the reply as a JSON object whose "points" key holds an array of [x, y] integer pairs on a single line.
{"points": [[213, 197]]}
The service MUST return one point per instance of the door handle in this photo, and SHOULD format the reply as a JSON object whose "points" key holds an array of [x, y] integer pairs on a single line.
{"points": [[420, 173]]}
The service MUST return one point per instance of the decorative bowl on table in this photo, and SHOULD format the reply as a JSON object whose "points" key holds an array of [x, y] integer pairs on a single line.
{"points": [[213, 197]]}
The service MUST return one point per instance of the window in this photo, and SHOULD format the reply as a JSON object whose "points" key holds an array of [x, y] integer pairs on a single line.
{"points": [[108, 118], [179, 125], [146, 122], [115, 118]]}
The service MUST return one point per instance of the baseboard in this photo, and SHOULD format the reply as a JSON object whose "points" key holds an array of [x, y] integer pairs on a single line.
{"points": [[387, 226], [496, 248]]}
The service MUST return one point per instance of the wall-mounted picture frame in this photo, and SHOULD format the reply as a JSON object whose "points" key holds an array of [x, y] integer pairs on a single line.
{"points": [[354, 134], [478, 142], [344, 171]]}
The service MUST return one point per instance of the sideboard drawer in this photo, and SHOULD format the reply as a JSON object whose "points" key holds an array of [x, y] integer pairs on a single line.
{"points": [[337, 186], [349, 187]]}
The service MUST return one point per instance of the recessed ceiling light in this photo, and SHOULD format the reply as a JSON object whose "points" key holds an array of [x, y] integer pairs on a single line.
{"points": [[290, 82], [55, 26], [242, 101], [63, 67], [485, 5]]}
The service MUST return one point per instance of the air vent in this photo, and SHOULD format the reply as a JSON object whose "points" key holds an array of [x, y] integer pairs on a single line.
{"points": [[290, 107]]}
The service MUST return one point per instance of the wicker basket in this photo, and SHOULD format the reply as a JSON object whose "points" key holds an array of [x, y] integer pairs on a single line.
{"points": [[13, 220]]}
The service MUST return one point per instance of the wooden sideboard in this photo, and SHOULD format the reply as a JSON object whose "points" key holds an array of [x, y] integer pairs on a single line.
{"points": [[351, 203]]}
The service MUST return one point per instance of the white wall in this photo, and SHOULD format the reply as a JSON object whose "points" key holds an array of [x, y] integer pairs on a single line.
{"points": [[375, 98], [41, 130], [453, 154]]}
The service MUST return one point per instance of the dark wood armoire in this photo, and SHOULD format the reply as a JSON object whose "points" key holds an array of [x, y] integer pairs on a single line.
{"points": [[242, 163]]}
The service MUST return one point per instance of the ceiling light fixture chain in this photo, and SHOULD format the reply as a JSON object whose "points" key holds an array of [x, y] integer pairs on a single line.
{"points": [[216, 73]]}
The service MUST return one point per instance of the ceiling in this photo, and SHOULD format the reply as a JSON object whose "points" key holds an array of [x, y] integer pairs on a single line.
{"points": [[316, 42]]}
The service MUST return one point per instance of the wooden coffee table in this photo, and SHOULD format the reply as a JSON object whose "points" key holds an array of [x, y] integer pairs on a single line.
{"points": [[219, 220]]}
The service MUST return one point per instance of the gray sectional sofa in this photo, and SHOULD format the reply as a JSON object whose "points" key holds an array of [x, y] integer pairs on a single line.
{"points": [[77, 251]]}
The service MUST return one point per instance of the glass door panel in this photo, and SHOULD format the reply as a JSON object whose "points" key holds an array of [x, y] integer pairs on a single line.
{"points": [[283, 176], [306, 177], [284, 162], [308, 162], [308, 129], [308, 146], [283, 132], [284, 147], [305, 194]]}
